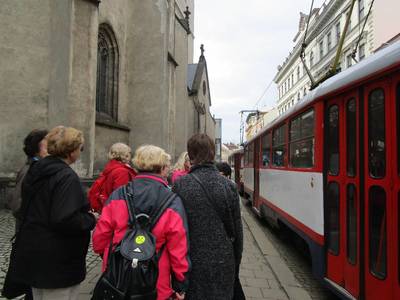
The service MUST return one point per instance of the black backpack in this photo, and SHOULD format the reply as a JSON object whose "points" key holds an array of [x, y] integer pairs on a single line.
{"points": [[132, 267]]}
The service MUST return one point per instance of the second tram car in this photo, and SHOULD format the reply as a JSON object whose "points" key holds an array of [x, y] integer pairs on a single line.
{"points": [[236, 161], [329, 169]]}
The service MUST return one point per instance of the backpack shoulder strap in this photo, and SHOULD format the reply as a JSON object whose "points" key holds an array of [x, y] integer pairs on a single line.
{"points": [[160, 210], [129, 199]]}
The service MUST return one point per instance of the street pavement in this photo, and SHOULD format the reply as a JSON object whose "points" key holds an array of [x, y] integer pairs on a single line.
{"points": [[263, 273]]}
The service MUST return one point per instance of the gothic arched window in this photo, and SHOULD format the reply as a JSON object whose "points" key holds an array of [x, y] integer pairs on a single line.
{"points": [[107, 73]]}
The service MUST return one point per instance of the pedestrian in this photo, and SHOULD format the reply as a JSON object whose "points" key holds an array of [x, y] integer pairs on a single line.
{"points": [[35, 148], [224, 169], [116, 173], [181, 167], [53, 239], [216, 236], [149, 189]]}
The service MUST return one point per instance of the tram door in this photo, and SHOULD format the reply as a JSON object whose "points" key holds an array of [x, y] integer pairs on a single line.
{"points": [[256, 165], [396, 212], [380, 209], [342, 200]]}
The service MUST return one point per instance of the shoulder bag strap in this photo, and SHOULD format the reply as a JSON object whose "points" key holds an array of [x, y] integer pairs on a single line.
{"points": [[211, 203]]}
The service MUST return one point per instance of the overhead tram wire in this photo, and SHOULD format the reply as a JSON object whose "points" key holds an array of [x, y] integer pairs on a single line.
{"points": [[353, 54], [263, 94]]}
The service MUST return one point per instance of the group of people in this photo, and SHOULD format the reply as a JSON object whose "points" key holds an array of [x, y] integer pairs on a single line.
{"points": [[199, 236]]}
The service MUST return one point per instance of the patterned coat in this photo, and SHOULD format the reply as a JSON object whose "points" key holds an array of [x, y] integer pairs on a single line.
{"points": [[215, 258]]}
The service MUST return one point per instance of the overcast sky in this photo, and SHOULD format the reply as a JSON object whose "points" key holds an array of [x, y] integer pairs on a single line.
{"points": [[244, 43]]}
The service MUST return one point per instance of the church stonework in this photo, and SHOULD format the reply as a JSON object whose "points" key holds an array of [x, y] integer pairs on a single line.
{"points": [[117, 70]]}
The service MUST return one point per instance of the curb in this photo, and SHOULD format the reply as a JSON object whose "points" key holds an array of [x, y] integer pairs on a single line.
{"points": [[283, 274]]}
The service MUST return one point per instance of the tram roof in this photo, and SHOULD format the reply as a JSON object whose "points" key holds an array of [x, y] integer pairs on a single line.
{"points": [[379, 61]]}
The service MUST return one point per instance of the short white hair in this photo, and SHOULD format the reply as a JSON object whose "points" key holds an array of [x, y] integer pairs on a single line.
{"points": [[151, 158], [121, 152]]}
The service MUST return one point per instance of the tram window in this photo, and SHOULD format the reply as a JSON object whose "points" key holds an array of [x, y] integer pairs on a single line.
{"points": [[351, 224], [351, 137], [302, 140], [398, 127], [376, 134], [279, 146], [377, 232], [266, 149], [333, 140], [251, 153], [333, 218]]}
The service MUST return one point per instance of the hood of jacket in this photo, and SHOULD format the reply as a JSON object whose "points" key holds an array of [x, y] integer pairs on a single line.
{"points": [[115, 164], [44, 168]]}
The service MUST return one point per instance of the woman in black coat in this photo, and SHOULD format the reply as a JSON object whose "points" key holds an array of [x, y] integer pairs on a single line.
{"points": [[55, 230], [215, 226]]}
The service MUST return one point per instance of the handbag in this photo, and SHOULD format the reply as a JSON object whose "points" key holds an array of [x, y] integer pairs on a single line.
{"points": [[13, 288]]}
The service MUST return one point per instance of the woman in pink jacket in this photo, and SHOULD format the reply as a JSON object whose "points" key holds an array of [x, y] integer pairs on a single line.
{"points": [[149, 190], [181, 168]]}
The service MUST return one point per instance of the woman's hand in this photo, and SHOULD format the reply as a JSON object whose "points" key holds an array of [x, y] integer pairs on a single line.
{"points": [[179, 296]]}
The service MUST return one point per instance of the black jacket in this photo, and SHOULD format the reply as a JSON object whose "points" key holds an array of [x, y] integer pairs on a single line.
{"points": [[54, 237], [215, 259]]}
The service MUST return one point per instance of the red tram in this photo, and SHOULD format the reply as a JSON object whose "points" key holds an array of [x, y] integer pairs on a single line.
{"points": [[329, 170]]}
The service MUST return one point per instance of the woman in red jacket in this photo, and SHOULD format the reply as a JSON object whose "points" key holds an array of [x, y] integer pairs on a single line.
{"points": [[116, 173], [149, 190]]}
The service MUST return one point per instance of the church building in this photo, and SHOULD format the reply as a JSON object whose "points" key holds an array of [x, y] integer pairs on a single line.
{"points": [[119, 70]]}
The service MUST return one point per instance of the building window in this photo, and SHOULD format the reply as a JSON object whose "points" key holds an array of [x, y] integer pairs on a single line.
{"points": [[361, 52], [292, 79], [321, 49], [329, 40], [304, 91], [302, 140], [348, 61], [298, 96], [289, 82], [349, 26], [298, 73], [292, 101], [360, 9], [107, 73], [311, 59], [337, 32]]}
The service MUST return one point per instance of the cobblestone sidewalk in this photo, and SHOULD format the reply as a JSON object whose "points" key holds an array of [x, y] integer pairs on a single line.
{"points": [[258, 279]]}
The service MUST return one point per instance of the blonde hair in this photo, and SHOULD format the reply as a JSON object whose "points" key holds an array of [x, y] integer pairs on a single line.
{"points": [[151, 159], [121, 152], [180, 163], [61, 141]]}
